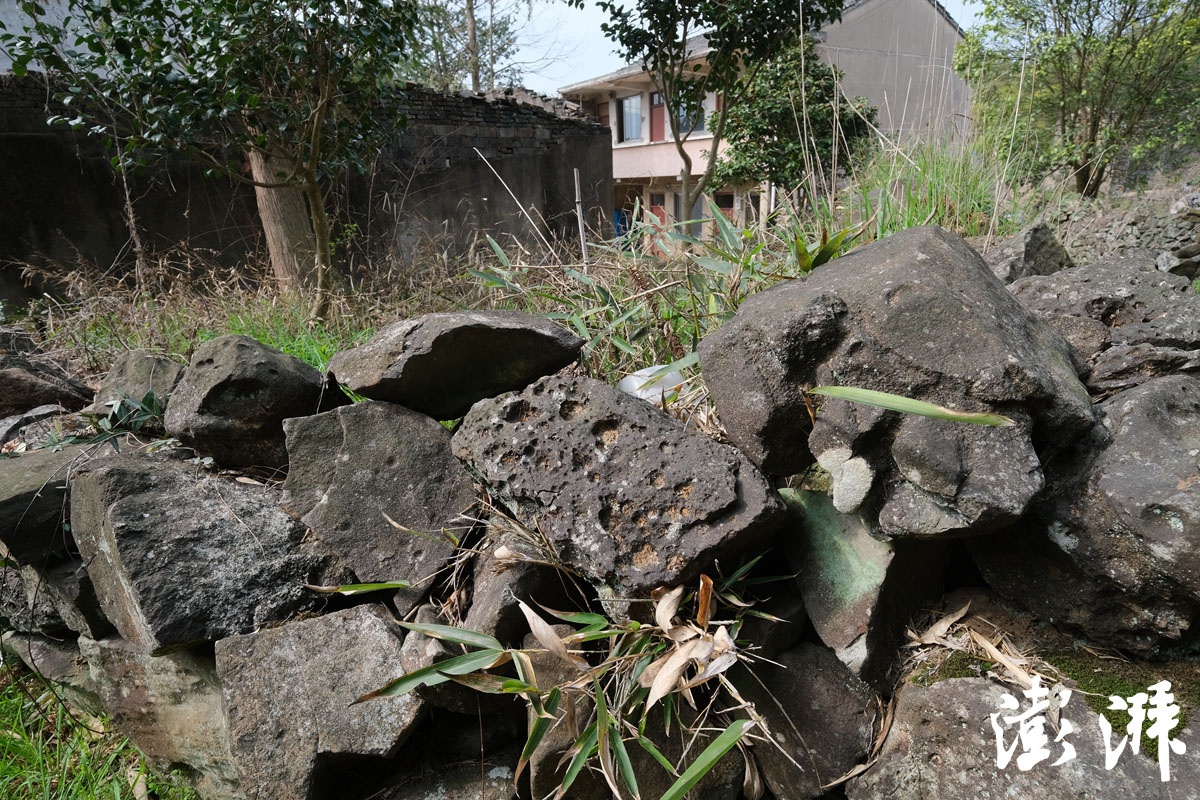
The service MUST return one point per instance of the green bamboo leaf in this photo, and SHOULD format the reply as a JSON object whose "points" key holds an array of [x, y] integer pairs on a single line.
{"points": [[624, 764], [586, 747], [538, 730], [708, 759], [906, 405], [348, 589], [653, 750], [500, 256], [449, 633], [438, 673]]}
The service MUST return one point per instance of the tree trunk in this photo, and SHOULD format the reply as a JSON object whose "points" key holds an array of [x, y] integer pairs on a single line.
{"points": [[322, 267], [286, 223], [472, 45]]}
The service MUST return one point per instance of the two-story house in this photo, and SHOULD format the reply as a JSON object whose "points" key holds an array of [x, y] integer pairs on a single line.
{"points": [[895, 53]]}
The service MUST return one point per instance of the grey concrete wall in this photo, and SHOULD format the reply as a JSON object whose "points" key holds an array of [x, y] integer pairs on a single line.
{"points": [[898, 54]]}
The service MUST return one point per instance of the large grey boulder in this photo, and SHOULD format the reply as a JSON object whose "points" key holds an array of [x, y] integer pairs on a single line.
{"points": [[942, 746], [234, 397], [27, 383], [1033, 251], [859, 592], [622, 492], [57, 661], [1153, 318], [352, 466], [1115, 549], [288, 694], [178, 557], [918, 314], [440, 364], [170, 707], [33, 502]]}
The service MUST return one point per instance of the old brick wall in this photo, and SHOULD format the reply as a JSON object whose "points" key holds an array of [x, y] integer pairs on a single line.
{"points": [[61, 201]]}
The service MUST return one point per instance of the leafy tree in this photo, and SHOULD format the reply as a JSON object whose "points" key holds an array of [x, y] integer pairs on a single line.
{"points": [[793, 123], [740, 36], [294, 85], [461, 44], [1090, 76]]}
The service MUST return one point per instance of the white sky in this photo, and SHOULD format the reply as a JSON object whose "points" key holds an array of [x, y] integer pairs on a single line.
{"points": [[565, 44]]}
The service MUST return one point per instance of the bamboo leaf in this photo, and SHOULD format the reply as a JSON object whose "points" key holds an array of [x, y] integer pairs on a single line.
{"points": [[708, 759], [585, 748], [449, 633], [653, 750], [906, 405], [438, 673], [538, 730], [547, 638], [358, 588]]}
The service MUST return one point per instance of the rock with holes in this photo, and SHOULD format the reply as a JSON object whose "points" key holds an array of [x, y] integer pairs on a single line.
{"points": [[859, 592], [942, 746], [620, 491], [1115, 551], [234, 397], [379, 485], [178, 557], [288, 694], [920, 315], [170, 707], [440, 364], [1033, 251], [1152, 318]]}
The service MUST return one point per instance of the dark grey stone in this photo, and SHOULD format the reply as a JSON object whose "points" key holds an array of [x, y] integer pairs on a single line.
{"points": [[941, 746], [1117, 533], [27, 383], [818, 712], [1033, 251], [33, 502], [133, 375], [441, 364], [178, 557], [622, 492], [67, 586], [918, 315], [12, 427], [57, 661], [170, 707], [234, 397], [351, 466], [288, 694]]}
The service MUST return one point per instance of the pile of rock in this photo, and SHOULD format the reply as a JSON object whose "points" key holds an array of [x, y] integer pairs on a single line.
{"points": [[156, 570]]}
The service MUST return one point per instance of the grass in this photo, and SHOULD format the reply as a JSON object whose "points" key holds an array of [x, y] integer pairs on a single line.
{"points": [[51, 752]]}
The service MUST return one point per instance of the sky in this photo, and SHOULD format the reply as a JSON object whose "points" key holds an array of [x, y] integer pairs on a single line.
{"points": [[565, 45]]}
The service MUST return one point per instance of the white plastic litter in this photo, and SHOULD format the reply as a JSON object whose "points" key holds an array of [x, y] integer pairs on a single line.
{"points": [[654, 384]]}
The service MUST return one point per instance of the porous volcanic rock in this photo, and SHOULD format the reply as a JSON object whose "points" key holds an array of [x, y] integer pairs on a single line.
{"points": [[441, 364], [918, 314], [623, 493], [234, 397]]}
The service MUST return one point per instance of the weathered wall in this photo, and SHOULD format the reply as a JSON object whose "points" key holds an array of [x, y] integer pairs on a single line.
{"points": [[60, 199]]}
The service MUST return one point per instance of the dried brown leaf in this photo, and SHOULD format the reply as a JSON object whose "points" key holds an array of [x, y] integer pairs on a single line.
{"points": [[704, 602], [665, 608], [941, 627]]}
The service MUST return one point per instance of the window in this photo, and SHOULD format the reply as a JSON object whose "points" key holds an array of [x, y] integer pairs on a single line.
{"points": [[691, 120], [629, 118]]}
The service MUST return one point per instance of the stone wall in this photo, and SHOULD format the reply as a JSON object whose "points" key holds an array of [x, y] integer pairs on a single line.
{"points": [[60, 201]]}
